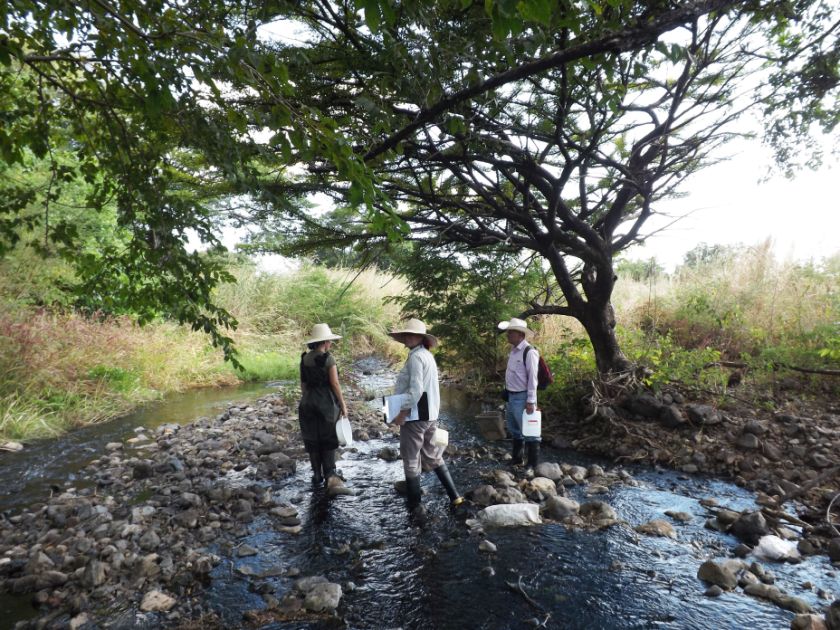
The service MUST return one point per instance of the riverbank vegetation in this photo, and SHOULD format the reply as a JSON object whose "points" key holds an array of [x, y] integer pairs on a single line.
{"points": [[62, 367]]}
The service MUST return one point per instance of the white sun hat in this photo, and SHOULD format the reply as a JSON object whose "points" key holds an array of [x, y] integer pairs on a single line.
{"points": [[413, 327], [321, 332], [516, 324]]}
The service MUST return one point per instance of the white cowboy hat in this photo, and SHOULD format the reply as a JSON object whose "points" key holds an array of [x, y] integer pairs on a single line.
{"points": [[321, 332], [413, 327], [516, 324]]}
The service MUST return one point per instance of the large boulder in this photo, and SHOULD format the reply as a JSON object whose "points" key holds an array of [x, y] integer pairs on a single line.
{"points": [[540, 488], [549, 470], [323, 597], [750, 527], [510, 495], [657, 527], [808, 622], [561, 508], [714, 573]]}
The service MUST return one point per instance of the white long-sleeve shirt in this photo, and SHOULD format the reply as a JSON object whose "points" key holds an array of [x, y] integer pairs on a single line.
{"points": [[419, 375], [521, 376]]}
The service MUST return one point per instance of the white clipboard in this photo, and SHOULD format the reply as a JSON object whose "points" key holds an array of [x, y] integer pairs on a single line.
{"points": [[392, 405]]}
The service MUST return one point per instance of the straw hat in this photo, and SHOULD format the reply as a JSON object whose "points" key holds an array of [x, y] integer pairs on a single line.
{"points": [[516, 324], [413, 327], [321, 332]]}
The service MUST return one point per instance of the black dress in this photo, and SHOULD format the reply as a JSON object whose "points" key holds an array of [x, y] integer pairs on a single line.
{"points": [[318, 410]]}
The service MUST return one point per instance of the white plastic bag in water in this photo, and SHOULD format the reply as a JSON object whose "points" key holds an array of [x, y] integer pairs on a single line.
{"points": [[510, 515], [774, 548]]}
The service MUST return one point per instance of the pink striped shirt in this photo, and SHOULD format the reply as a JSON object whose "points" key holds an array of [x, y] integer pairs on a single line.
{"points": [[520, 377]]}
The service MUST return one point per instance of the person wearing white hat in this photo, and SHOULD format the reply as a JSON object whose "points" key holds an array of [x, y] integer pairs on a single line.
{"points": [[418, 379], [521, 389], [321, 404]]}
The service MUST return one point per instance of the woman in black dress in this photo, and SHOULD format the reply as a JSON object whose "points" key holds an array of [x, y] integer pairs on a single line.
{"points": [[321, 404]]}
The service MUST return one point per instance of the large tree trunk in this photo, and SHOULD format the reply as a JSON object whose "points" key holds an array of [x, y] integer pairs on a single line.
{"points": [[599, 322], [598, 317]]}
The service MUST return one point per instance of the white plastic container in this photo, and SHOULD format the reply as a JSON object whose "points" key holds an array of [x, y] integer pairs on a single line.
{"points": [[440, 438], [343, 431], [532, 423]]}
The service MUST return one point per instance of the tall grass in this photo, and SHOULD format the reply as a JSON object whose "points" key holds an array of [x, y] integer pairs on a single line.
{"points": [[749, 308], [59, 369]]}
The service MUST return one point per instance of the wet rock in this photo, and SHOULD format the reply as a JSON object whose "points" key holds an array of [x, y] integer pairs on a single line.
{"points": [[834, 550], [79, 621], [541, 488], [245, 551], [323, 597], [794, 604], [389, 454], [561, 508], [727, 517], [549, 470], [306, 584], [808, 622], [504, 479], [713, 591], [682, 517], [741, 550], [763, 591], [598, 513], [714, 573], [157, 601], [113, 446], [510, 496], [486, 545], [484, 495], [577, 473], [749, 527], [284, 511], [595, 471], [11, 446], [657, 527]]}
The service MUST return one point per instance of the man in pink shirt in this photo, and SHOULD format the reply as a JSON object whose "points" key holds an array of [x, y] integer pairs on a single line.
{"points": [[521, 386]]}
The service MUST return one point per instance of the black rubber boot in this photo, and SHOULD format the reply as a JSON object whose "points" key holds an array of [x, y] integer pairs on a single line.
{"points": [[328, 463], [412, 493], [317, 475], [442, 473], [516, 459], [533, 451]]}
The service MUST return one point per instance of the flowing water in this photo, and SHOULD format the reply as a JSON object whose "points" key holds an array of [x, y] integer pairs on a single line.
{"points": [[398, 575]]}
